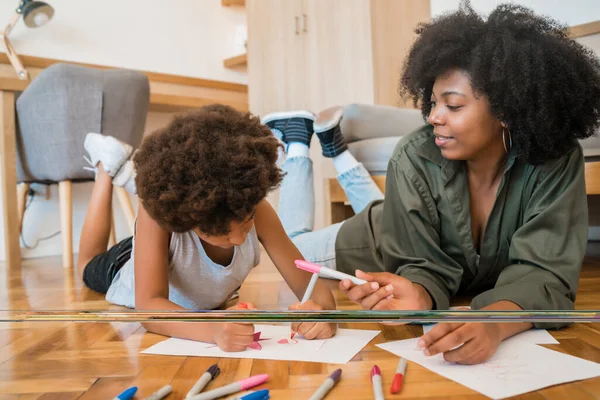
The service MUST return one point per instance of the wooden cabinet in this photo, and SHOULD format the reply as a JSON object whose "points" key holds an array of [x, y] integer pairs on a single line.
{"points": [[313, 54], [276, 55], [317, 53]]}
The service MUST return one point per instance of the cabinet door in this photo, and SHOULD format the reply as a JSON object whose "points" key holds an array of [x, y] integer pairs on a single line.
{"points": [[276, 56], [339, 52]]}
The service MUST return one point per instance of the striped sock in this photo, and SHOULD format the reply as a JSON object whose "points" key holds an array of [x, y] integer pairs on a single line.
{"points": [[295, 129]]}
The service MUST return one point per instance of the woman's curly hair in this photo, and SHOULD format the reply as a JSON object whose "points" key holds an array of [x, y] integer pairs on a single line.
{"points": [[206, 169], [542, 84]]}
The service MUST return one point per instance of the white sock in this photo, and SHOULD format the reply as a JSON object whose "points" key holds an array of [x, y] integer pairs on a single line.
{"points": [[344, 162], [297, 149]]}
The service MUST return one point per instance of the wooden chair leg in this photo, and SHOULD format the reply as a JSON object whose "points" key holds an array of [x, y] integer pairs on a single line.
{"points": [[22, 190], [126, 206], [66, 221], [8, 180]]}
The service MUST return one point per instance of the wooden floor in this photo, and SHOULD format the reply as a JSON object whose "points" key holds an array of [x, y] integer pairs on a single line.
{"points": [[40, 360]]}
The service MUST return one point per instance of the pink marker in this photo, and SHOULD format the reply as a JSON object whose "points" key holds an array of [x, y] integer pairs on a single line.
{"points": [[377, 383], [236, 387], [327, 272]]}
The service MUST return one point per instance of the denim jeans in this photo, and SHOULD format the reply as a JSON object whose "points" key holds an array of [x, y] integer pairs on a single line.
{"points": [[297, 207]]}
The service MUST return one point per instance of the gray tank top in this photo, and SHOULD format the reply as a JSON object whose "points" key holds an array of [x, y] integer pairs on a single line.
{"points": [[195, 281]]}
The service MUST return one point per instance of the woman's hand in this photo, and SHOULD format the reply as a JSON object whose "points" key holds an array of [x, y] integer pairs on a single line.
{"points": [[234, 336], [386, 291], [312, 330], [462, 343]]}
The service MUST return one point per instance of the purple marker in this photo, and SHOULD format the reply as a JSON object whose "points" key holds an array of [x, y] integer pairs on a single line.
{"points": [[210, 374], [327, 385]]}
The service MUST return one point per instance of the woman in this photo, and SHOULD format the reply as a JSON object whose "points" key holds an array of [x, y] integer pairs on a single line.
{"points": [[489, 198]]}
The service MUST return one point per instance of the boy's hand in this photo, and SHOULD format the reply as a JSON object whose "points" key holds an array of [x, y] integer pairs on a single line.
{"points": [[312, 330], [478, 341], [386, 291], [234, 336]]}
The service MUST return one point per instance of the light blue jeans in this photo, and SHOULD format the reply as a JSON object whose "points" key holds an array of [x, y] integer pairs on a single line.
{"points": [[297, 207]]}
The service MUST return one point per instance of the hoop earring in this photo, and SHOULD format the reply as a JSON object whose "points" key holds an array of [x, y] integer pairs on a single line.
{"points": [[507, 150]]}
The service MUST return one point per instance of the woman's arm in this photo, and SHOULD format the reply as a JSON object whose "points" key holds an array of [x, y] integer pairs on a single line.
{"points": [[410, 236], [283, 253], [152, 292]]}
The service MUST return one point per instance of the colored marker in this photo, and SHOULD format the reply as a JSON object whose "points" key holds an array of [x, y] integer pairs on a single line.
{"points": [[327, 385], [160, 393], [327, 272], [127, 394], [210, 374], [240, 386], [377, 383], [399, 376], [258, 395], [309, 289]]}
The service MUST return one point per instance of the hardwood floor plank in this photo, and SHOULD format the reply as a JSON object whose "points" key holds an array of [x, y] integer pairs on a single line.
{"points": [[34, 385], [188, 374], [61, 396], [155, 376], [107, 388]]}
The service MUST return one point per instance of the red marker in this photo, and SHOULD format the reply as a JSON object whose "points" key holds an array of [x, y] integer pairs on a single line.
{"points": [[399, 376]]}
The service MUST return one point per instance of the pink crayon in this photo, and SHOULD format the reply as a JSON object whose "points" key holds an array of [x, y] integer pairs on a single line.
{"points": [[327, 272]]}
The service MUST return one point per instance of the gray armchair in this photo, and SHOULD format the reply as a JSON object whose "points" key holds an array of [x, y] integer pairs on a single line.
{"points": [[54, 114]]}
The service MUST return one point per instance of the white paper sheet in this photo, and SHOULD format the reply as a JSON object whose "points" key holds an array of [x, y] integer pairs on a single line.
{"points": [[535, 336], [337, 350], [517, 367]]}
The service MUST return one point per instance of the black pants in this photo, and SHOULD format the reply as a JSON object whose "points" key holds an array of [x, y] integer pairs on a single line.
{"points": [[98, 274]]}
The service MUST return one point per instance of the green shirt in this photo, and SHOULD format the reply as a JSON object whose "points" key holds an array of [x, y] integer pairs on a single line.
{"points": [[532, 248]]}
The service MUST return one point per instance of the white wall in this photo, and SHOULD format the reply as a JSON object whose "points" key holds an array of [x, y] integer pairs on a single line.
{"points": [[181, 37], [572, 12]]}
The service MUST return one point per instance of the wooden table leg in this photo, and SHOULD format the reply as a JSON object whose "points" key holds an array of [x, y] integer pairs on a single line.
{"points": [[8, 152]]}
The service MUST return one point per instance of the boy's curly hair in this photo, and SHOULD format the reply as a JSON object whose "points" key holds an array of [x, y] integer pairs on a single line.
{"points": [[206, 169], [543, 85]]}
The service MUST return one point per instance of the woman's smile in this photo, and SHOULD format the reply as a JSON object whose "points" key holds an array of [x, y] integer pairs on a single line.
{"points": [[442, 141]]}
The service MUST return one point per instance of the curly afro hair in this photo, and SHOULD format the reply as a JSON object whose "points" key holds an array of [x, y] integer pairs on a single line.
{"points": [[206, 169], [543, 85]]}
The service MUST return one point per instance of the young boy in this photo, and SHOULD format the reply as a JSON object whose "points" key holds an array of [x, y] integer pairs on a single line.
{"points": [[202, 182]]}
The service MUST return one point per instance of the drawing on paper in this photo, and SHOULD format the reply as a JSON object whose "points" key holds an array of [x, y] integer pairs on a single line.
{"points": [[507, 368], [336, 350], [503, 369], [287, 341]]}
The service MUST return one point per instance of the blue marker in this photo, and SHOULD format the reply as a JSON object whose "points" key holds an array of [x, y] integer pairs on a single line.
{"points": [[128, 394], [258, 395]]}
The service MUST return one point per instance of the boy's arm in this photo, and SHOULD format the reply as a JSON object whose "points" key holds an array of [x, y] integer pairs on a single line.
{"points": [[152, 281], [283, 253]]}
